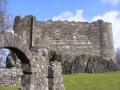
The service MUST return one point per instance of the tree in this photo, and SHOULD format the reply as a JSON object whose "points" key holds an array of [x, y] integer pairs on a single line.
{"points": [[4, 21], [4, 25]]}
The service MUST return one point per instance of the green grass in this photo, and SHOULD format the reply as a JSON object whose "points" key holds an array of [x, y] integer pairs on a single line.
{"points": [[9, 88], [85, 81]]}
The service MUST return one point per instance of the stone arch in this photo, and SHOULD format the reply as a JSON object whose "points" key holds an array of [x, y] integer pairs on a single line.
{"points": [[16, 44], [26, 65]]}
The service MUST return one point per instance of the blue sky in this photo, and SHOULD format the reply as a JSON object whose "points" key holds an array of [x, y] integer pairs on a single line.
{"points": [[43, 9], [78, 10]]}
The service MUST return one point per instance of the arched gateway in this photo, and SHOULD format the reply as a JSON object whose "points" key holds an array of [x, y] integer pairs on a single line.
{"points": [[34, 63], [15, 44]]}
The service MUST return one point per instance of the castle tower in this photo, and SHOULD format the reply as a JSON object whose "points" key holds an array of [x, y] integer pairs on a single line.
{"points": [[24, 28], [106, 40]]}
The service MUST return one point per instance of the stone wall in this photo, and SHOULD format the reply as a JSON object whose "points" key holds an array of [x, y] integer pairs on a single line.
{"points": [[40, 70], [71, 38], [55, 79], [106, 40], [58, 77], [66, 37], [83, 63], [10, 77], [34, 63], [15, 43], [23, 27], [74, 38], [87, 63]]}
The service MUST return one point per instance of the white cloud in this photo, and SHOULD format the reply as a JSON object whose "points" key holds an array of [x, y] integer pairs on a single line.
{"points": [[112, 16], [77, 16], [114, 2]]}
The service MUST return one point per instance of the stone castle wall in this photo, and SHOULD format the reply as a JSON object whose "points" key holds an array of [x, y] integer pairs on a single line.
{"points": [[65, 37], [68, 40], [10, 77], [73, 38]]}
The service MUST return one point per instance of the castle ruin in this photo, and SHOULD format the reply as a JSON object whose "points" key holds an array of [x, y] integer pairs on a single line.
{"points": [[57, 47]]}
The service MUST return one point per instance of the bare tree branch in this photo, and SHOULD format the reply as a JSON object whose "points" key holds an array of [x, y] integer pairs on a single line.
{"points": [[4, 25], [4, 21]]}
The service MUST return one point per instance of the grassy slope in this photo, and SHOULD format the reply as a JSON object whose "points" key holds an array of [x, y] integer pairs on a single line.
{"points": [[84, 81]]}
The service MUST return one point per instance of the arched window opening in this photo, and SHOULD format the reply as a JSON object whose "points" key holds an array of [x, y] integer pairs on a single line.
{"points": [[15, 68]]}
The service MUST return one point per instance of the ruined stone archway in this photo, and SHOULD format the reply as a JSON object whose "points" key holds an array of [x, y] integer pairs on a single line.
{"points": [[55, 78], [15, 44]]}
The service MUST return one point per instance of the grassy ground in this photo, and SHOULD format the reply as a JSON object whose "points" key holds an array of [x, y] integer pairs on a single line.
{"points": [[9, 88], [84, 81]]}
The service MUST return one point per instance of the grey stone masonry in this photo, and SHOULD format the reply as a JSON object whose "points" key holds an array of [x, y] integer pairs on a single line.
{"points": [[76, 38], [10, 76]]}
